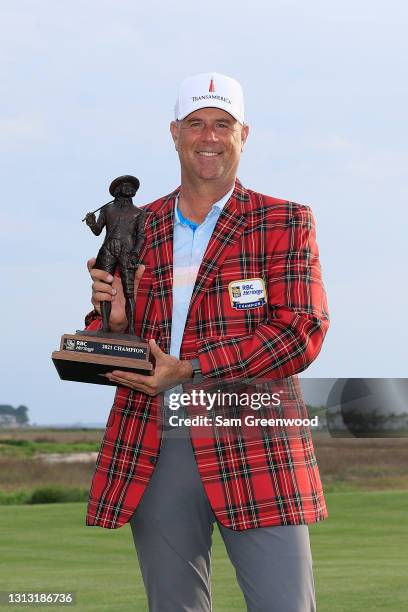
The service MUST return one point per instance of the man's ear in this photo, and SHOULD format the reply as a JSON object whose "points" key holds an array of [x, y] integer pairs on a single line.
{"points": [[174, 133], [244, 135]]}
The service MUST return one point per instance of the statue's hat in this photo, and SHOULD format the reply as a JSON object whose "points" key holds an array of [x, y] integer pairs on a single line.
{"points": [[126, 178]]}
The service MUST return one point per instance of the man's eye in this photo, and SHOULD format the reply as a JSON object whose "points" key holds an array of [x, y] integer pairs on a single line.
{"points": [[223, 126], [196, 124]]}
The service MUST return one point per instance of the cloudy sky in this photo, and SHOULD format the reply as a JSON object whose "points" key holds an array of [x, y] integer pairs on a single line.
{"points": [[88, 90]]}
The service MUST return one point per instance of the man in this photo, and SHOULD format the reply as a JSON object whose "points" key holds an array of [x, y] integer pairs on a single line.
{"points": [[231, 290]]}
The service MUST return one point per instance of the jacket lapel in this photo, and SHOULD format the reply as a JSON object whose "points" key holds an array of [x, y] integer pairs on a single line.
{"points": [[229, 227], [159, 241]]}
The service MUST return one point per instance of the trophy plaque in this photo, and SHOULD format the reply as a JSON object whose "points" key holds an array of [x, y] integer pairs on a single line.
{"points": [[87, 356]]}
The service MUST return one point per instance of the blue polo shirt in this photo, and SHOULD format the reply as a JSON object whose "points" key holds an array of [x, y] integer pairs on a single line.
{"points": [[189, 244]]}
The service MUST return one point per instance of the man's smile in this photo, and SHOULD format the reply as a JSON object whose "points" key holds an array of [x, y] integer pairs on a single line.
{"points": [[208, 153]]}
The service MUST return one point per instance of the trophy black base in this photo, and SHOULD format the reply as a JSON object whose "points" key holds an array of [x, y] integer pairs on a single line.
{"points": [[88, 356]]}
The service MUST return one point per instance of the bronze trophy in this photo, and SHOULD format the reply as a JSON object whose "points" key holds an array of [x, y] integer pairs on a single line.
{"points": [[87, 355]]}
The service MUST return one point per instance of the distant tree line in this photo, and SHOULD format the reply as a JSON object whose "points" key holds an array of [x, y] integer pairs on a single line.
{"points": [[19, 415]]}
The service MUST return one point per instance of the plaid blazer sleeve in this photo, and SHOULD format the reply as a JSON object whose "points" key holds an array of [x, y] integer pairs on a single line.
{"points": [[291, 337], [93, 321]]}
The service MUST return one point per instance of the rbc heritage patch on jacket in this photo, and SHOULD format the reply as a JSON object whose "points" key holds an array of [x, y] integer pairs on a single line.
{"points": [[247, 293]]}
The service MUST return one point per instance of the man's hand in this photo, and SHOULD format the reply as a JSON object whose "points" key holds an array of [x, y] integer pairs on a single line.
{"points": [[169, 371], [105, 287]]}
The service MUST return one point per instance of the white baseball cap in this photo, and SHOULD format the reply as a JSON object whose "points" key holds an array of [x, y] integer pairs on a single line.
{"points": [[210, 89]]}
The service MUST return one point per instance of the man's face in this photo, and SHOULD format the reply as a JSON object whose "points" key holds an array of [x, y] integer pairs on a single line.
{"points": [[209, 142]]}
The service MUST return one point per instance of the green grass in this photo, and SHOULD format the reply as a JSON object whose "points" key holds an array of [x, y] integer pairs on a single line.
{"points": [[360, 557], [48, 548], [361, 553]]}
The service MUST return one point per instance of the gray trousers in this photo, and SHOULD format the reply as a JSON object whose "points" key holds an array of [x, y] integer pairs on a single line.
{"points": [[172, 529]]}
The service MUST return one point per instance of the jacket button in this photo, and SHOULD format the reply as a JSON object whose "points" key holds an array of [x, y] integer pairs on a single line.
{"points": [[152, 460]]}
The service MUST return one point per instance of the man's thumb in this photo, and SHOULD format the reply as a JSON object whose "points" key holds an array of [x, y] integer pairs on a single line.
{"points": [[155, 350]]}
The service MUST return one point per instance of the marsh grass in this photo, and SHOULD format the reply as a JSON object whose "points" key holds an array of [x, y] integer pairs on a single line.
{"points": [[67, 436], [30, 473], [367, 464], [29, 442], [345, 464]]}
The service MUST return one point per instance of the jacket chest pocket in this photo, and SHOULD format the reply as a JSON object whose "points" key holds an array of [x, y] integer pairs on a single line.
{"points": [[233, 305]]}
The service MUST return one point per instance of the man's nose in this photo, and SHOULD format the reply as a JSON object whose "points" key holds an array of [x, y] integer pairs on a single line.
{"points": [[209, 133]]}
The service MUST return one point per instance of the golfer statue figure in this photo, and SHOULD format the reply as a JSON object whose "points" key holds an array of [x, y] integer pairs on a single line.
{"points": [[124, 237]]}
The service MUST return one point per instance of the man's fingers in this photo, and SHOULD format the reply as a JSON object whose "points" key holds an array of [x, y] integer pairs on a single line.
{"points": [[123, 382], [97, 298], [138, 382], [99, 287], [120, 382], [98, 274], [101, 275], [133, 377]]}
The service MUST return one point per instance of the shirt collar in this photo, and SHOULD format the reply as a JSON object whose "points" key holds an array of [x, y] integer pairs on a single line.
{"points": [[220, 205]]}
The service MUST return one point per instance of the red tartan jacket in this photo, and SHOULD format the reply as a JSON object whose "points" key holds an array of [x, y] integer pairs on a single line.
{"points": [[252, 479]]}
